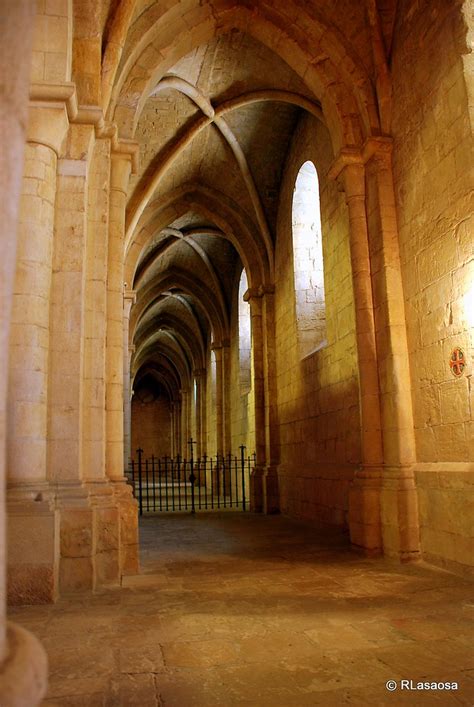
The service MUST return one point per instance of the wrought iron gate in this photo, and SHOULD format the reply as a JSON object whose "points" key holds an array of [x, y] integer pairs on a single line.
{"points": [[194, 484]]}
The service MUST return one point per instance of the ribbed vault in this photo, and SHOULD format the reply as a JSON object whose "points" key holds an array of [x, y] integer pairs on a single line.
{"points": [[213, 93]]}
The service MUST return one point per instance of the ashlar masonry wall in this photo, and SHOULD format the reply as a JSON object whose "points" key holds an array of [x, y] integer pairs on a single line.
{"points": [[434, 178], [318, 399], [151, 426]]}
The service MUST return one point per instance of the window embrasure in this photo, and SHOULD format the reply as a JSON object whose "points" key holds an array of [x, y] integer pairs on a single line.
{"points": [[308, 261]]}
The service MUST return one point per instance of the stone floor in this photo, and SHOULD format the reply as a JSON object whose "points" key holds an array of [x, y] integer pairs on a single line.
{"points": [[241, 609]]}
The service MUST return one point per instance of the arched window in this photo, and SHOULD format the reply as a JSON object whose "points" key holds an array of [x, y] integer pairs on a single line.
{"points": [[308, 261], [213, 379], [245, 344]]}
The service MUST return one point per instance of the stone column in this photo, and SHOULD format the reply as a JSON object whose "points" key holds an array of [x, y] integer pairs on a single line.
{"points": [[383, 503], [185, 427], [177, 428], [129, 298], [271, 492], [226, 396], [198, 377], [256, 480], [121, 165], [119, 177], [23, 677], [32, 574], [203, 412], [264, 487], [172, 428], [399, 502], [217, 348], [364, 500], [66, 363]]}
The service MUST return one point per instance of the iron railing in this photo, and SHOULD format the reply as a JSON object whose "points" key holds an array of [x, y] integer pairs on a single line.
{"points": [[163, 484]]}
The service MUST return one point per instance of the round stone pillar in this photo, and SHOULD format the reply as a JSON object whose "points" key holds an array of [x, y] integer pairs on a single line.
{"points": [[23, 677], [217, 348], [119, 177], [129, 298], [364, 501], [29, 340]]}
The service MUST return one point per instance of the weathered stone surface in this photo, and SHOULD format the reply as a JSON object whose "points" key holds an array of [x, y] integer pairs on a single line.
{"points": [[295, 618]]}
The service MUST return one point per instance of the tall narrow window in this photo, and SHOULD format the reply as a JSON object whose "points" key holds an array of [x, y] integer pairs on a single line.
{"points": [[308, 261], [245, 345]]}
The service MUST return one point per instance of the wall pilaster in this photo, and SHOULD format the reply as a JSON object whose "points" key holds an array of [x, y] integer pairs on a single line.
{"points": [[129, 299], [220, 441], [383, 502], [264, 487]]}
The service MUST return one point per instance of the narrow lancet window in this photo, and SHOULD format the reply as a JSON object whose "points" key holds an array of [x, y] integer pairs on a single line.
{"points": [[308, 261]]}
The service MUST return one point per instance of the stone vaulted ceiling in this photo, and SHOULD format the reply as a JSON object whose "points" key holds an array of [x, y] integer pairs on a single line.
{"points": [[212, 93]]}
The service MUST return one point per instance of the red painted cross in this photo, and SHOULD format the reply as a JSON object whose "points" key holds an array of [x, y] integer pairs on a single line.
{"points": [[457, 362]]}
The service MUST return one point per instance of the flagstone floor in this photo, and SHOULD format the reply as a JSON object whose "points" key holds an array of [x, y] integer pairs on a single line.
{"points": [[243, 609]]}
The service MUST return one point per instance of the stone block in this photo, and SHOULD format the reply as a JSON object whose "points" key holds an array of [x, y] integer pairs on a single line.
{"points": [[106, 568], [106, 522], [76, 533], [76, 574], [31, 583]]}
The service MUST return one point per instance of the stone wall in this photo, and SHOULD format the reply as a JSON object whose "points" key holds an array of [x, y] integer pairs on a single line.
{"points": [[151, 427], [433, 172], [317, 395]]}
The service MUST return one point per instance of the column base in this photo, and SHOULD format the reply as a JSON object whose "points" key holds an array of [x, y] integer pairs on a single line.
{"points": [[76, 565], [33, 545], [399, 514], [129, 559], [105, 533], [271, 491], [70, 537], [23, 674], [364, 512], [256, 489]]}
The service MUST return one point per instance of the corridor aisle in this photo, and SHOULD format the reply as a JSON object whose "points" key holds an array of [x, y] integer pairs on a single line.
{"points": [[243, 609]]}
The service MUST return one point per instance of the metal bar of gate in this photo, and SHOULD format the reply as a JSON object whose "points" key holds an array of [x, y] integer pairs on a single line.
{"points": [[185, 479], [236, 482], [230, 478], [242, 462], [205, 480], [178, 469], [199, 483], [140, 491], [211, 469], [147, 486], [159, 484], [153, 480], [192, 478], [132, 466], [166, 482], [223, 480], [172, 482]]}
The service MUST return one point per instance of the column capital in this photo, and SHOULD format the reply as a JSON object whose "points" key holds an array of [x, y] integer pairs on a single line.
{"points": [[48, 125], [259, 291], [120, 171], [128, 150], [129, 299], [378, 146], [219, 345], [130, 295], [199, 372]]}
